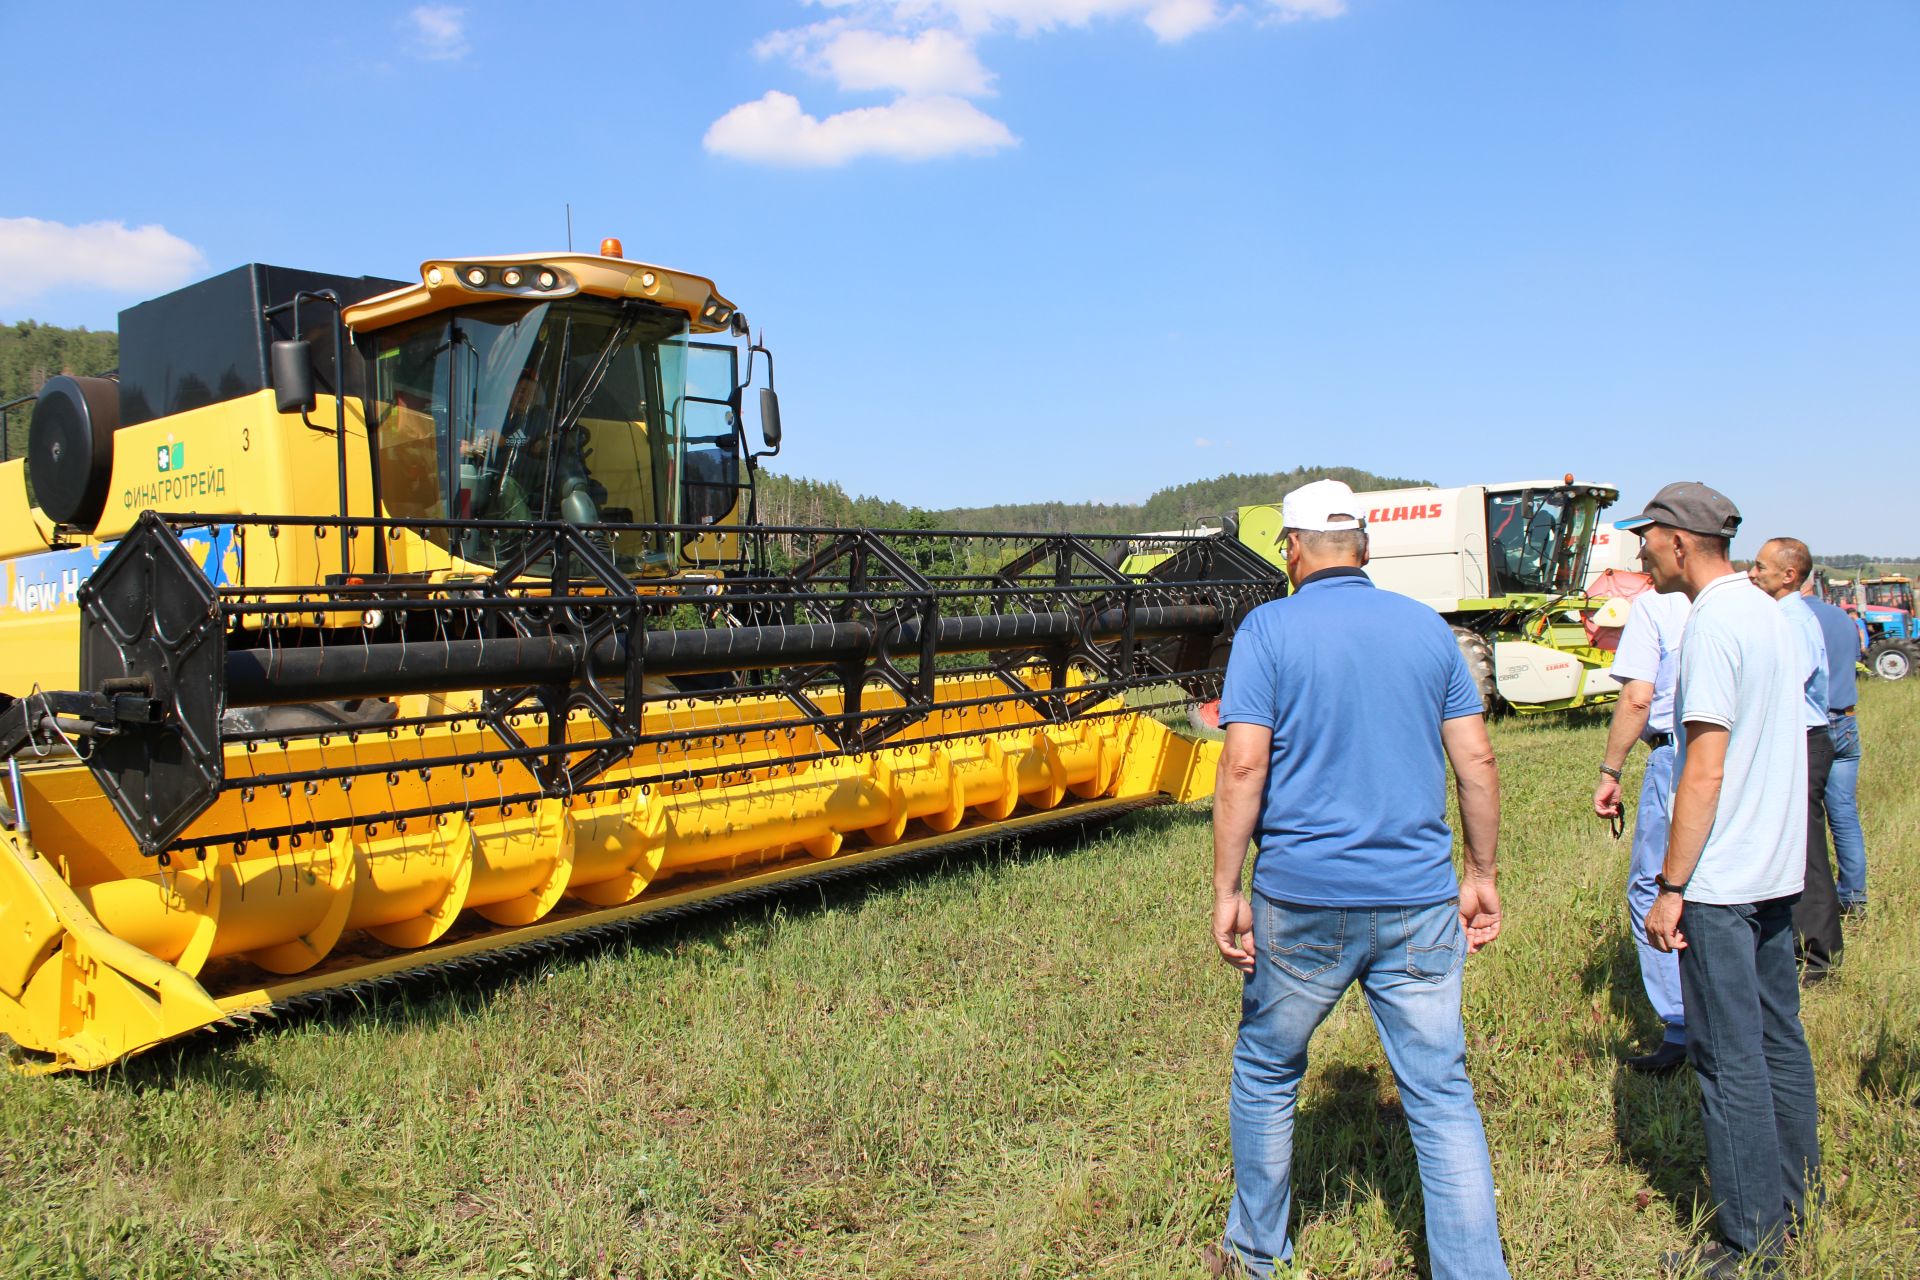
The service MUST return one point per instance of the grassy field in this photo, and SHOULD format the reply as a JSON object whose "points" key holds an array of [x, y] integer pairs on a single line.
{"points": [[1009, 1065]]}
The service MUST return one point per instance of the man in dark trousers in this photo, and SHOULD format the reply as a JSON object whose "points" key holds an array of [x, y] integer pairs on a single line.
{"points": [[1780, 567], [1736, 860], [1343, 705], [1846, 645]]}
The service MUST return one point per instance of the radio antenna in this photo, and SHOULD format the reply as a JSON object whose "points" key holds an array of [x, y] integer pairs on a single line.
{"points": [[569, 226]]}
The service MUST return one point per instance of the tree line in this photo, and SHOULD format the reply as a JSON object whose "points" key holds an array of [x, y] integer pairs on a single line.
{"points": [[31, 352]]}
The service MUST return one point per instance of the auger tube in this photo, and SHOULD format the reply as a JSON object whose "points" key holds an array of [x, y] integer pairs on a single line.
{"points": [[281, 676]]}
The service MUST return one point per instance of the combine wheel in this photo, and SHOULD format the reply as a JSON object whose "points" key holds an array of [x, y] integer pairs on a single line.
{"points": [[1890, 659], [1478, 651]]}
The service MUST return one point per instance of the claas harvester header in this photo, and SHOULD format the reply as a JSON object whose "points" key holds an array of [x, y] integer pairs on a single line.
{"points": [[366, 627]]}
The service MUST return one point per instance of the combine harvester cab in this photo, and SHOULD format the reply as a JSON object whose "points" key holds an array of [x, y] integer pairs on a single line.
{"points": [[507, 658]]}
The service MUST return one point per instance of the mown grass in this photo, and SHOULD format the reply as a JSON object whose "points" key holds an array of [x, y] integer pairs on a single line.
{"points": [[1009, 1065]]}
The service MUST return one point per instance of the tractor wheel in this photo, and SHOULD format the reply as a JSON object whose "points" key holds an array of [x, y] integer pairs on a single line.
{"points": [[1478, 651], [1890, 659], [1204, 717]]}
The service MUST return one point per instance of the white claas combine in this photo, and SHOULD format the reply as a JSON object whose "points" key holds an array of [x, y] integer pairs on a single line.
{"points": [[1505, 564]]}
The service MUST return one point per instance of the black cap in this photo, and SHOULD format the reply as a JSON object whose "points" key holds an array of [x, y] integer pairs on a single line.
{"points": [[1689, 505]]}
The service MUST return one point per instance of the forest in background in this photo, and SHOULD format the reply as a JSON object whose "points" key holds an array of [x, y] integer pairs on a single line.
{"points": [[31, 352], [795, 500]]}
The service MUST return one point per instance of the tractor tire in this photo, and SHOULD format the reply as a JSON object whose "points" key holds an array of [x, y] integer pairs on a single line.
{"points": [[1891, 659], [1478, 651], [1204, 718]]}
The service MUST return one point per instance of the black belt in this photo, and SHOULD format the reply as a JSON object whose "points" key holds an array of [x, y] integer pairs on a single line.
{"points": [[1655, 741]]}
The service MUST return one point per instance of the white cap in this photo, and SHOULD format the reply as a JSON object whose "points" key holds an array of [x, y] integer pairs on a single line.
{"points": [[1325, 506]]}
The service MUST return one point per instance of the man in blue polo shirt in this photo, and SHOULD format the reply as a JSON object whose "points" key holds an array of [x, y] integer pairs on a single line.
{"points": [[1778, 569], [1343, 705], [1846, 644]]}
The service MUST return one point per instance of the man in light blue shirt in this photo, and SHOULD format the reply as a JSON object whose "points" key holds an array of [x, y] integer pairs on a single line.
{"points": [[1646, 664], [1846, 644], [1736, 861], [1779, 569]]}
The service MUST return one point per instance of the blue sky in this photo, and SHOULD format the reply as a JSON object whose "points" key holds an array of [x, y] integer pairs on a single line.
{"points": [[1009, 250]]}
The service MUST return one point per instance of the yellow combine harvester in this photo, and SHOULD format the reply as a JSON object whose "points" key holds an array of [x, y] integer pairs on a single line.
{"points": [[364, 627]]}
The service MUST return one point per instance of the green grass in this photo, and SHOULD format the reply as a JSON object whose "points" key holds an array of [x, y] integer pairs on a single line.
{"points": [[1010, 1065]]}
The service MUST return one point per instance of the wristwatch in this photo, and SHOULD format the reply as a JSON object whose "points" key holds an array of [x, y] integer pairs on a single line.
{"points": [[1610, 771], [1665, 885]]}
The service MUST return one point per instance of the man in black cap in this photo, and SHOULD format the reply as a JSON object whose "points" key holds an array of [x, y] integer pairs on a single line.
{"points": [[1735, 863]]}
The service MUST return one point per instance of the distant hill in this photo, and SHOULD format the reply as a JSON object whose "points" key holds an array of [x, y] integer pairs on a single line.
{"points": [[1870, 566], [1174, 507], [791, 500], [31, 352]]}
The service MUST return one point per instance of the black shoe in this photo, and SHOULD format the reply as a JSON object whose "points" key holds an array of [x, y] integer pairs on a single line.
{"points": [[1855, 910], [1813, 977], [1711, 1261], [1664, 1061]]}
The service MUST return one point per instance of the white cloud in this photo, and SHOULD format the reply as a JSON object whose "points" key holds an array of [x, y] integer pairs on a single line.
{"points": [[774, 130], [1304, 10], [1170, 20], [1201, 442], [861, 60], [439, 31], [923, 50], [37, 255]]}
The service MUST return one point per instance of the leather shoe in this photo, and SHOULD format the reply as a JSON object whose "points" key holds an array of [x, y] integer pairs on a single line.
{"points": [[1713, 1261], [1664, 1061], [1219, 1263]]}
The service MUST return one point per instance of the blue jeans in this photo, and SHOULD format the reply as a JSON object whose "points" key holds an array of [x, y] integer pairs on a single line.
{"points": [[1659, 970], [1408, 960], [1756, 1076], [1843, 810]]}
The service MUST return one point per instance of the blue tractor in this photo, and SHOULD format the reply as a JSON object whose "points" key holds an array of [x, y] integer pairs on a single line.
{"points": [[1885, 608]]}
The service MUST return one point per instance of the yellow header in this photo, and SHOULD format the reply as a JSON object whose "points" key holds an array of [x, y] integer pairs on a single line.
{"points": [[451, 282]]}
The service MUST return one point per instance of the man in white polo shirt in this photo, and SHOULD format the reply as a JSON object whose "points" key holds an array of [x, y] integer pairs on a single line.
{"points": [[1735, 863], [1646, 664]]}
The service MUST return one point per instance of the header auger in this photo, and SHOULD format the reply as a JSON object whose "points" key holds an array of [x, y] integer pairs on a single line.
{"points": [[516, 666]]}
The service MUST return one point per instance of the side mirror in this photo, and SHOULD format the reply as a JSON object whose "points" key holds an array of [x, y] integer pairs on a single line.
{"points": [[770, 418], [292, 360]]}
